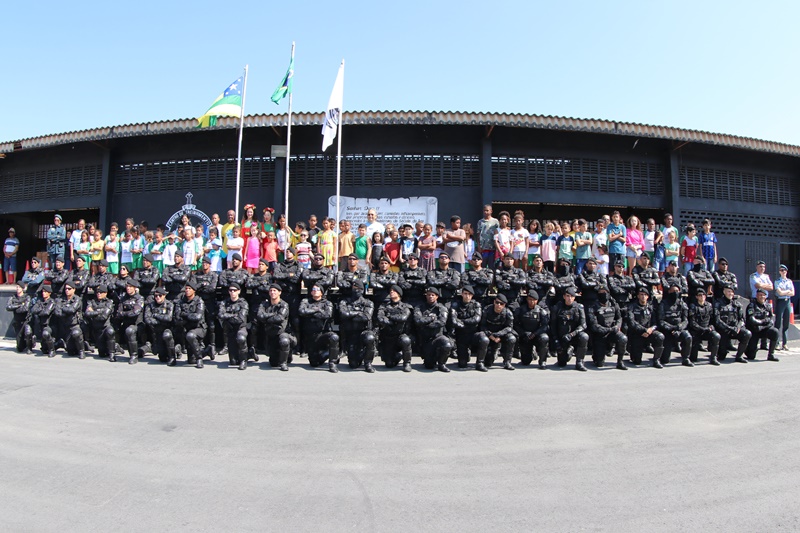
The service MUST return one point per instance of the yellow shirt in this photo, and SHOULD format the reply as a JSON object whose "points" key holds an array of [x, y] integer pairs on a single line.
{"points": [[347, 242], [97, 250]]}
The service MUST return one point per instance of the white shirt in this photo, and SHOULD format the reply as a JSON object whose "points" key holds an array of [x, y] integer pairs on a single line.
{"points": [[597, 240], [168, 256], [375, 227]]}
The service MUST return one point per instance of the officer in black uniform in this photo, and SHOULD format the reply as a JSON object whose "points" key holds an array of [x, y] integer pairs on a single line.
{"points": [[98, 315], [497, 323], [644, 275], [430, 319], [643, 328], [120, 286], [673, 280], [589, 283], [319, 275], [233, 312], [532, 323], [509, 281], [541, 281], [207, 281], [673, 321], [568, 327], [57, 277], [480, 279], [258, 284], [355, 326], [158, 315], [175, 277], [20, 304], [723, 278], [393, 323], [190, 317], [447, 280], [698, 277], [565, 280], [147, 276], [79, 276], [288, 275], [464, 328], [101, 277], [413, 281], [730, 323], [273, 318], [382, 280], [42, 314], [68, 312], [622, 289], [345, 278], [316, 316], [701, 326], [761, 323], [605, 327], [130, 312]]}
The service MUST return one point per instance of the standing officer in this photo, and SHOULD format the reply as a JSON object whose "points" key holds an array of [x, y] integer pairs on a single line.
{"points": [[465, 320], [568, 327], [731, 324], [479, 278], [190, 317], [430, 320], [643, 328], [645, 275], [273, 316], [565, 280], [233, 313], [698, 277], [288, 275], [761, 323], [673, 319], [98, 314], [355, 326], [258, 285], [316, 316], [701, 326], [79, 276], [393, 321], [56, 240], [532, 322], [68, 311], [673, 281], [589, 283], [605, 327], [19, 304], [235, 274], [158, 314], [101, 277], [33, 278], [413, 281], [318, 274], [57, 277], [497, 323]]}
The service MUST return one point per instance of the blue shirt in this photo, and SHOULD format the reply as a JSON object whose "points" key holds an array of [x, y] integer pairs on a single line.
{"points": [[618, 246]]}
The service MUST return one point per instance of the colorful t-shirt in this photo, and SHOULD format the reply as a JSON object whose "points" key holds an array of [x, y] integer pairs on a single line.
{"points": [[361, 247], [585, 251], [708, 243], [564, 244], [616, 246]]}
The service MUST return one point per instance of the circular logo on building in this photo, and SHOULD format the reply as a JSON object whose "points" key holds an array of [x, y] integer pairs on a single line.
{"points": [[194, 215]]}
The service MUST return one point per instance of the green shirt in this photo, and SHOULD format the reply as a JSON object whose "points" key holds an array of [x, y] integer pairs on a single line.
{"points": [[362, 245]]}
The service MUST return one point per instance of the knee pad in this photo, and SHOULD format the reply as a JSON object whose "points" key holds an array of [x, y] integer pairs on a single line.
{"points": [[658, 338], [369, 338], [191, 336], [167, 335], [582, 339], [109, 332], [75, 332], [46, 335], [241, 337], [27, 331], [283, 342], [404, 341], [130, 332], [482, 339]]}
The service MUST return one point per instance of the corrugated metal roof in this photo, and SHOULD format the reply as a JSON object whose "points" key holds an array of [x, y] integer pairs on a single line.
{"points": [[419, 117]]}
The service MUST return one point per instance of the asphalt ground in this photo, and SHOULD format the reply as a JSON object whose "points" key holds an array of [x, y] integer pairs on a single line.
{"points": [[97, 446]]}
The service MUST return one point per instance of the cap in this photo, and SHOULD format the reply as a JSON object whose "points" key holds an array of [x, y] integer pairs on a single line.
{"points": [[501, 298], [132, 283], [262, 260], [276, 287], [192, 284], [71, 284], [591, 260], [413, 256], [619, 263], [216, 242], [672, 262], [58, 216], [507, 255], [433, 290], [722, 260], [562, 260], [760, 263], [101, 288], [22, 284], [533, 294], [762, 291], [358, 284], [148, 257], [60, 258], [352, 256], [468, 288], [35, 259], [643, 290], [103, 263], [236, 257], [234, 285], [700, 258], [179, 254], [397, 289], [206, 260], [170, 235], [477, 256], [46, 287], [700, 290], [383, 259], [80, 258], [316, 288], [444, 254], [571, 291], [160, 290], [319, 256], [291, 249], [12, 229], [782, 267]]}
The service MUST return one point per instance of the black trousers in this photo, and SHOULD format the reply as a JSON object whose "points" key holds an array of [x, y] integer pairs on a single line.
{"points": [[771, 334], [394, 348]]}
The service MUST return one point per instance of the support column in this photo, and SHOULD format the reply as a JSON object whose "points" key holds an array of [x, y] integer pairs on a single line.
{"points": [[106, 192], [486, 171], [672, 188]]}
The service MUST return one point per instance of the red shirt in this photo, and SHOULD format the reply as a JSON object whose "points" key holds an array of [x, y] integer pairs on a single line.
{"points": [[392, 251]]}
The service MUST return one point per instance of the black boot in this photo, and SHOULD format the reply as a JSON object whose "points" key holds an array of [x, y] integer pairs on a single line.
{"points": [[620, 363], [406, 367], [284, 367], [332, 368], [771, 357], [686, 362], [442, 367], [199, 362], [579, 364], [133, 359], [480, 367], [368, 367], [507, 364], [243, 364]]}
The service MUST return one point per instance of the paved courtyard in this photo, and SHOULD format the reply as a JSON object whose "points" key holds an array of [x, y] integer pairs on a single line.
{"points": [[95, 446]]}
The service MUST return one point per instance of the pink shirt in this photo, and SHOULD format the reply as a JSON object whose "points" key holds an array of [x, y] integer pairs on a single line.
{"points": [[271, 251], [635, 237]]}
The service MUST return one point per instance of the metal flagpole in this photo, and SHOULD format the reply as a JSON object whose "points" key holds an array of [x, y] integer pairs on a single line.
{"points": [[288, 146], [239, 155], [339, 154]]}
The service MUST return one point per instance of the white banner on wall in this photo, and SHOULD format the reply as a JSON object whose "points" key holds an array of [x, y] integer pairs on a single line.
{"points": [[395, 210]]}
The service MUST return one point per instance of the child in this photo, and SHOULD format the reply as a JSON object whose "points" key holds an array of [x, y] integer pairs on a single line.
{"points": [[346, 243], [549, 244], [708, 245], [138, 243], [303, 248], [519, 243], [601, 257], [565, 243], [689, 248], [534, 241], [253, 251], [98, 253], [270, 249], [171, 248], [299, 228], [408, 243], [440, 229], [583, 245], [362, 245], [215, 249], [427, 247], [235, 244], [126, 255], [671, 250], [392, 251], [156, 248], [112, 249], [469, 244], [284, 236], [376, 250], [327, 243]]}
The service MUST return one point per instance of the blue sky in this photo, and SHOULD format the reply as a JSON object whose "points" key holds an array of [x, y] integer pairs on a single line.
{"points": [[726, 67]]}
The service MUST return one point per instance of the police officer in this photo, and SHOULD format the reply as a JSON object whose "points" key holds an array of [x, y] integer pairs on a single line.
{"points": [[464, 327], [480, 279], [510, 281], [57, 277], [355, 327], [175, 277], [207, 281], [382, 280], [288, 275], [643, 328], [316, 317], [235, 274], [565, 280], [233, 312], [147, 276], [589, 283], [33, 278], [413, 281], [393, 322], [101, 277], [120, 286], [41, 315], [644, 275], [273, 318], [447, 280], [761, 323], [158, 315], [346, 277], [19, 304], [701, 326], [622, 288], [98, 315], [190, 317], [497, 323], [319, 275], [79, 276], [673, 321], [698, 277], [258, 284], [541, 281], [68, 311], [130, 312], [723, 278], [430, 320], [532, 323], [605, 327], [672, 280], [568, 328], [730, 322]]}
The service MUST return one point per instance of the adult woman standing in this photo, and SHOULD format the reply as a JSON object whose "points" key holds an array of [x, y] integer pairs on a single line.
{"points": [[248, 220], [784, 292]]}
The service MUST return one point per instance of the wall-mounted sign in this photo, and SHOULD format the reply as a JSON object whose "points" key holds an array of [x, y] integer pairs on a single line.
{"points": [[395, 210]]}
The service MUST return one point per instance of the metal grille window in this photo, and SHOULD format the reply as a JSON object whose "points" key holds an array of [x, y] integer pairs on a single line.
{"points": [[718, 184], [747, 225], [578, 174], [62, 182], [192, 174]]}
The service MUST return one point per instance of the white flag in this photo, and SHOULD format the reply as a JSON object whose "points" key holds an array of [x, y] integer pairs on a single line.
{"points": [[334, 111]]}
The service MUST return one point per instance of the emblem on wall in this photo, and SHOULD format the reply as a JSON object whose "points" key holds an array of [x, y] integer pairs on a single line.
{"points": [[189, 209]]}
